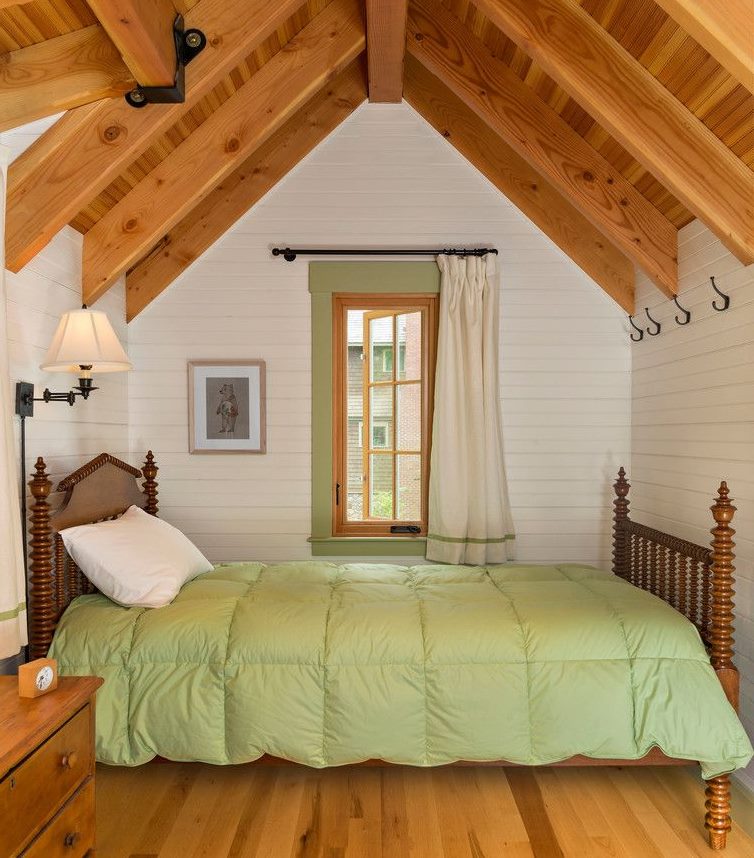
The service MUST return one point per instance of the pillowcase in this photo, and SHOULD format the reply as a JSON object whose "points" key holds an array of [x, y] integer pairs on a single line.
{"points": [[135, 560]]}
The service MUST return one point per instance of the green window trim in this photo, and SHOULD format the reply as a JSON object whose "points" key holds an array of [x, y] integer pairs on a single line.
{"points": [[325, 280]]}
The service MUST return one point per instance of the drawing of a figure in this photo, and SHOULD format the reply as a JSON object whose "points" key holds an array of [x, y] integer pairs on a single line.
{"points": [[227, 410]]}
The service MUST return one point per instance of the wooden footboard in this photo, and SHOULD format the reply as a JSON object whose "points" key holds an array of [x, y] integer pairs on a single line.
{"points": [[698, 582]]}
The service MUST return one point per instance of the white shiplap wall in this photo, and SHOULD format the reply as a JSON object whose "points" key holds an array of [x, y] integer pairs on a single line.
{"points": [[693, 419], [385, 178]]}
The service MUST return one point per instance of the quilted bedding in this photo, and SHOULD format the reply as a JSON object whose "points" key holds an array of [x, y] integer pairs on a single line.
{"points": [[326, 665]]}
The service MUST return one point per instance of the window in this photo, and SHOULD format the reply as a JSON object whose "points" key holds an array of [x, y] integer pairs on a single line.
{"points": [[381, 411]]}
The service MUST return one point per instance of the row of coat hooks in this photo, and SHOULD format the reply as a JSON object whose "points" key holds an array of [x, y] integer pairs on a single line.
{"points": [[683, 319]]}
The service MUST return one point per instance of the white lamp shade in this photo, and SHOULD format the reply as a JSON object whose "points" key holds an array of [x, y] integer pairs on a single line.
{"points": [[83, 338]]}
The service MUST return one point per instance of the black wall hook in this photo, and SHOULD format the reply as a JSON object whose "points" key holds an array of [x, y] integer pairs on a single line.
{"points": [[726, 298], [686, 313], [638, 330], [658, 326]]}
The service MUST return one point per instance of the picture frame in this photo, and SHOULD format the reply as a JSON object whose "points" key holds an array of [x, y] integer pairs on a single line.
{"points": [[227, 406]]}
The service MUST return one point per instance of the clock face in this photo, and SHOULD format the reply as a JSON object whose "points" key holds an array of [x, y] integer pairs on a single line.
{"points": [[44, 678]]}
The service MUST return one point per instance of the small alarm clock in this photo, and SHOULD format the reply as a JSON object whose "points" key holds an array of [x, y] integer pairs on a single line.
{"points": [[37, 677]]}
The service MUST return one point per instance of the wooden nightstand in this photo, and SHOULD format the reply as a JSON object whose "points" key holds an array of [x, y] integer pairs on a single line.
{"points": [[47, 770]]}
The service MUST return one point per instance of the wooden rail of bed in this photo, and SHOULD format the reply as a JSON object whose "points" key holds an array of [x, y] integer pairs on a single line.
{"points": [[698, 582], [695, 580]]}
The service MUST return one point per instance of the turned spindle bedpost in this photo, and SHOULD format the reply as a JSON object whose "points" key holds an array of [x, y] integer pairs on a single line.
{"points": [[620, 516], [150, 484], [720, 634], [42, 603]]}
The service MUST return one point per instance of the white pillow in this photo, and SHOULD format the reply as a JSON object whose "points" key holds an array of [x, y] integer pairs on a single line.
{"points": [[135, 560]]}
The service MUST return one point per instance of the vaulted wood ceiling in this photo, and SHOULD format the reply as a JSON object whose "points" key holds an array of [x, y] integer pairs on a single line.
{"points": [[610, 123]]}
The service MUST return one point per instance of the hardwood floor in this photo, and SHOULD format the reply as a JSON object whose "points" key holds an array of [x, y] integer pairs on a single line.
{"points": [[178, 810]]}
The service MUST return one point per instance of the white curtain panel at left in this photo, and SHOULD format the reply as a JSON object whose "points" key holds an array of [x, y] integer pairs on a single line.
{"points": [[12, 589], [469, 514]]}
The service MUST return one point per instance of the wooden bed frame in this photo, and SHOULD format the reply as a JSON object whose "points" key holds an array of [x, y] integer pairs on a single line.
{"points": [[696, 581]]}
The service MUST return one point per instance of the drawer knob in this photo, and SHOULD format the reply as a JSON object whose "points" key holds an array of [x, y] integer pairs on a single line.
{"points": [[71, 839], [68, 761]]}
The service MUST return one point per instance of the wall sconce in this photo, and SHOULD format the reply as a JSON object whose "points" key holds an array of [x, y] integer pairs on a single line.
{"points": [[84, 343]]}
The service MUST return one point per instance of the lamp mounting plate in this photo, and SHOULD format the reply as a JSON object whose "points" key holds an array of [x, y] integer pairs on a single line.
{"points": [[24, 399]]}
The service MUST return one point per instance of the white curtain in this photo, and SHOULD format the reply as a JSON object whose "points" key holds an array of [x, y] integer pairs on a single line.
{"points": [[12, 590], [469, 514]]}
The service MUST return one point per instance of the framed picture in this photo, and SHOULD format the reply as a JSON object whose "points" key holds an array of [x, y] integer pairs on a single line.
{"points": [[227, 406]]}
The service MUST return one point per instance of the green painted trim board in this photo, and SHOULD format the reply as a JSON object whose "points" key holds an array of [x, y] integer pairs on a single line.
{"points": [[325, 280]]}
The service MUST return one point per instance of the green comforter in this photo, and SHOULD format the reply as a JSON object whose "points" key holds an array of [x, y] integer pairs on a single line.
{"points": [[327, 665]]}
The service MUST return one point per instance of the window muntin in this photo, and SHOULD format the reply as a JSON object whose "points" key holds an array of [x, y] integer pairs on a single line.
{"points": [[386, 404]]}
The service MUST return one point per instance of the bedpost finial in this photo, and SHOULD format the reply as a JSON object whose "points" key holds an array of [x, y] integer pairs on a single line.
{"points": [[40, 485], [722, 508], [621, 485], [149, 485]]}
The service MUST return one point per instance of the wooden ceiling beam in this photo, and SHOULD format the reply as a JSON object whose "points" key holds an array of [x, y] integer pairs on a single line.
{"points": [[67, 71], [625, 98], [386, 44], [219, 210], [724, 29], [333, 39], [8, 4], [90, 146], [448, 49], [524, 186], [142, 30]]}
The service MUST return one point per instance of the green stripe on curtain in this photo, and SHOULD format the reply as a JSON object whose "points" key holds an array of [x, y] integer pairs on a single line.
{"points": [[13, 613], [470, 540]]}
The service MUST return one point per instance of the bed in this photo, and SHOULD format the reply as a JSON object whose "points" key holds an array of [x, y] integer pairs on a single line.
{"points": [[328, 665]]}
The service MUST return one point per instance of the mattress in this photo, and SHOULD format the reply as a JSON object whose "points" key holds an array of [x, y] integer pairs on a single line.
{"points": [[327, 664]]}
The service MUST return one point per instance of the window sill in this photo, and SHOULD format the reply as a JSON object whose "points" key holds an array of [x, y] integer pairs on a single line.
{"points": [[368, 546]]}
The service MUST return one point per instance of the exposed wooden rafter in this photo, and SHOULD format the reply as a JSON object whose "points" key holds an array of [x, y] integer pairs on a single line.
{"points": [[90, 146], [725, 29], [386, 43], [221, 208], [514, 112], [142, 30], [526, 188], [6, 4], [214, 150], [637, 110], [61, 73]]}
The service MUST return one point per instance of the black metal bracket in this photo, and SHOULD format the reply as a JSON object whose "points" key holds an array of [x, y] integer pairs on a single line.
{"points": [[25, 398], [188, 44]]}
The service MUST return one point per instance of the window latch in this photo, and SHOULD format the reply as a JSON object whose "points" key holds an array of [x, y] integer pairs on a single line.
{"points": [[337, 494], [413, 529]]}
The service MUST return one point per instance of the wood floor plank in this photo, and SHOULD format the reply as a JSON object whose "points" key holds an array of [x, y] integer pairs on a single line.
{"points": [[180, 810], [531, 806]]}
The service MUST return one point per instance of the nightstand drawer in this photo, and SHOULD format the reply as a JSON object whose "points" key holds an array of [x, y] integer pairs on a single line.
{"points": [[71, 832], [34, 790]]}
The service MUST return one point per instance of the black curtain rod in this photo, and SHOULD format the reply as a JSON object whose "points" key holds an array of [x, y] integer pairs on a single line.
{"points": [[290, 254]]}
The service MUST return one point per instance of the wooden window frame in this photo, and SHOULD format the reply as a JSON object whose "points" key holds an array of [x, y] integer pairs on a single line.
{"points": [[427, 303]]}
